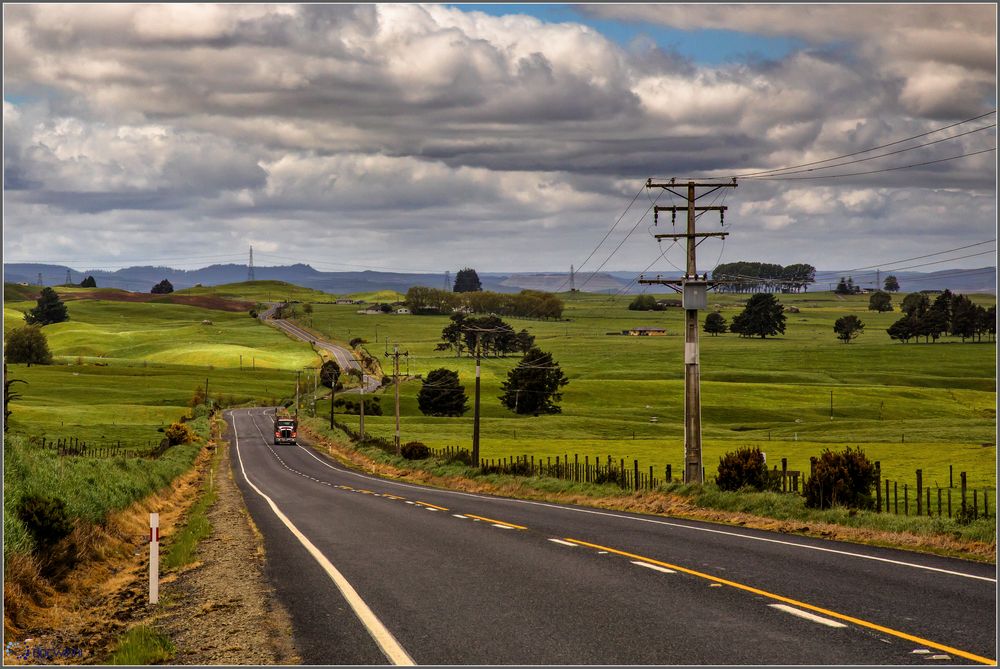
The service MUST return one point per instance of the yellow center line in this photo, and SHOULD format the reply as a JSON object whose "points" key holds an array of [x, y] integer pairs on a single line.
{"points": [[498, 522], [433, 506], [794, 602]]}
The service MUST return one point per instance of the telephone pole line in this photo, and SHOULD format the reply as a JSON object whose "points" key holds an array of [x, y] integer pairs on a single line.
{"points": [[395, 373], [694, 290]]}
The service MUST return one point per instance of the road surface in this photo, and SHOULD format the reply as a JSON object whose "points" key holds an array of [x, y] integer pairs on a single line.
{"points": [[378, 572]]}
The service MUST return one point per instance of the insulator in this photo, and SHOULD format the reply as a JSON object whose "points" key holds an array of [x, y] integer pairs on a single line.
{"points": [[722, 217], [656, 218], [673, 217]]}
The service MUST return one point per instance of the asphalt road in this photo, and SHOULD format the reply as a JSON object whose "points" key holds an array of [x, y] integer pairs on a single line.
{"points": [[345, 358], [376, 572]]}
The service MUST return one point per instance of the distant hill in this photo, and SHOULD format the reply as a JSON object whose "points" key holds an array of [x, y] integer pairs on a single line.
{"points": [[143, 278]]}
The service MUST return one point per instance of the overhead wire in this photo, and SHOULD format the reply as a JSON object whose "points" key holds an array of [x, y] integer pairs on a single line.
{"points": [[886, 169]]}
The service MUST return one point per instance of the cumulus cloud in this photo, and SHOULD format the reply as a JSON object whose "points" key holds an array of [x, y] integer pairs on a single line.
{"points": [[384, 132]]}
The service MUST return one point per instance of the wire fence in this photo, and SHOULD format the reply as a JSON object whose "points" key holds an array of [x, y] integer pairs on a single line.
{"points": [[72, 446]]}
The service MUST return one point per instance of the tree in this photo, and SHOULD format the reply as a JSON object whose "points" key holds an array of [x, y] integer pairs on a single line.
{"points": [[49, 309], [27, 345], [715, 323], [442, 395], [643, 303], [904, 329], [467, 281], [89, 282], [848, 327], [533, 386], [990, 321], [162, 288], [329, 373], [880, 301], [963, 317], [762, 316], [915, 304], [891, 284], [9, 396], [843, 288], [525, 341]]}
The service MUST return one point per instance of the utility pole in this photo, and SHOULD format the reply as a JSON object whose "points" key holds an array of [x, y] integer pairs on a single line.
{"points": [[361, 418], [447, 281], [572, 280], [395, 367], [694, 290], [475, 416]]}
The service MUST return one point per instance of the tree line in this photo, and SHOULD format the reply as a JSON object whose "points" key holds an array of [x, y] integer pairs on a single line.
{"points": [[760, 277], [525, 304], [951, 314]]}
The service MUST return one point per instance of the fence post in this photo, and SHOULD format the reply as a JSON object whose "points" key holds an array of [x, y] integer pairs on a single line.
{"points": [[920, 491], [784, 474], [887, 496], [949, 502], [906, 499], [651, 477], [635, 467], [812, 466], [878, 486], [939, 502], [895, 497], [669, 475], [576, 467], [975, 504], [929, 514], [951, 477], [586, 468], [962, 475]]}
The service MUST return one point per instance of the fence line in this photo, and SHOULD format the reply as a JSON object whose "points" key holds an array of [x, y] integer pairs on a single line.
{"points": [[72, 446]]}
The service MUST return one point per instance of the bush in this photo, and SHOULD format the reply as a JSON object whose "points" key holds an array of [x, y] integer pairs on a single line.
{"points": [[357, 341], [253, 313], [844, 478], [45, 518], [28, 345], [415, 450], [743, 468], [179, 433], [462, 456]]}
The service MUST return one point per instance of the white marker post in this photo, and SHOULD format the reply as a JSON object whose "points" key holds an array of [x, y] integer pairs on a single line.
{"points": [[154, 558]]}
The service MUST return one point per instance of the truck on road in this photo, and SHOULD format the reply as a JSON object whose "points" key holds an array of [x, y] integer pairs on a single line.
{"points": [[285, 429]]}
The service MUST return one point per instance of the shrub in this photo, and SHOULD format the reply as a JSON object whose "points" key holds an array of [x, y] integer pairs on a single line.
{"points": [[415, 450], [179, 433], [844, 478], [461, 457], [743, 468], [253, 313], [28, 345], [45, 518], [357, 341]]}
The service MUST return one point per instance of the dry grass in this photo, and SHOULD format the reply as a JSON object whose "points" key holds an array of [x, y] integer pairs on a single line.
{"points": [[665, 504]]}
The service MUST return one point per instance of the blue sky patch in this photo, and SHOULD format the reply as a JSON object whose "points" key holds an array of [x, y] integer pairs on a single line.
{"points": [[707, 47]]}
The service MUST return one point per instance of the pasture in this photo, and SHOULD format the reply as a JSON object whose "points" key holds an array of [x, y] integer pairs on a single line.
{"points": [[910, 405]]}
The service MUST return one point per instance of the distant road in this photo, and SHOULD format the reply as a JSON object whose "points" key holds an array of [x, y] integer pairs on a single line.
{"points": [[344, 356], [376, 571]]}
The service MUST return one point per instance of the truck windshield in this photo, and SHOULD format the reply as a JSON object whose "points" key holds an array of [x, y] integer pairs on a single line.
{"points": [[286, 423]]}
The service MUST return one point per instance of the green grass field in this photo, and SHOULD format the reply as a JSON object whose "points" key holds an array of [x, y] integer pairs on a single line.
{"points": [[910, 406], [262, 291]]}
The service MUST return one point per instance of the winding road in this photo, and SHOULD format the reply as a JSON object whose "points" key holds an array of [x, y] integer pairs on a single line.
{"points": [[375, 571]]}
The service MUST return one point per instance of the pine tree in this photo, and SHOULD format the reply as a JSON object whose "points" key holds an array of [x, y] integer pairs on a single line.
{"points": [[891, 284], [89, 282], [467, 281], [162, 288], [762, 316], [442, 394], [49, 309], [533, 386]]}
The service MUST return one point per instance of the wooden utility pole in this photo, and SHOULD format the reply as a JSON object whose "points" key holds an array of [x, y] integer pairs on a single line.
{"points": [[361, 418], [475, 416], [694, 290], [297, 373], [395, 369]]}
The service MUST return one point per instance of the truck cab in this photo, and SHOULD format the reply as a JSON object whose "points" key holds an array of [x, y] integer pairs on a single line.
{"points": [[285, 430]]}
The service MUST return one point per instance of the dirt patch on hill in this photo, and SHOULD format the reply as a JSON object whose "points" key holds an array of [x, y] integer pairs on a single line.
{"points": [[202, 301], [657, 503]]}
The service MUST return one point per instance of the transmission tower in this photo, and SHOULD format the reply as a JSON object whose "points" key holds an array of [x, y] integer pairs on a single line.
{"points": [[447, 280], [572, 280], [39, 278], [69, 278], [250, 265]]}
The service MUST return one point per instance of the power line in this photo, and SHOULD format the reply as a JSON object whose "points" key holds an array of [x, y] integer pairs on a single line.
{"points": [[622, 242], [887, 169], [880, 155], [929, 255], [874, 148]]}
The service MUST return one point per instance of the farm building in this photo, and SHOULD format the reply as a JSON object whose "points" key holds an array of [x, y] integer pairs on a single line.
{"points": [[645, 332]]}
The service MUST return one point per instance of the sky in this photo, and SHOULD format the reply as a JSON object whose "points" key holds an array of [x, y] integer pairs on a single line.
{"points": [[508, 138]]}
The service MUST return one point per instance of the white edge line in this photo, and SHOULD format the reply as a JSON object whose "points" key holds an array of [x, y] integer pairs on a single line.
{"points": [[458, 515], [502, 527], [387, 643], [657, 522], [562, 543], [654, 567], [806, 615]]}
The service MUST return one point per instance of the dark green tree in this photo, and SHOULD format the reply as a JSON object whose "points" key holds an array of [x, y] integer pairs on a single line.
{"points": [[915, 304], [715, 323], [933, 323], [880, 301], [9, 395], [525, 341], [848, 327], [762, 316], [442, 394], [533, 386], [49, 309], [842, 287], [989, 325], [467, 281], [162, 288], [27, 345], [329, 373], [643, 303], [89, 282], [964, 317], [904, 329], [891, 284]]}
